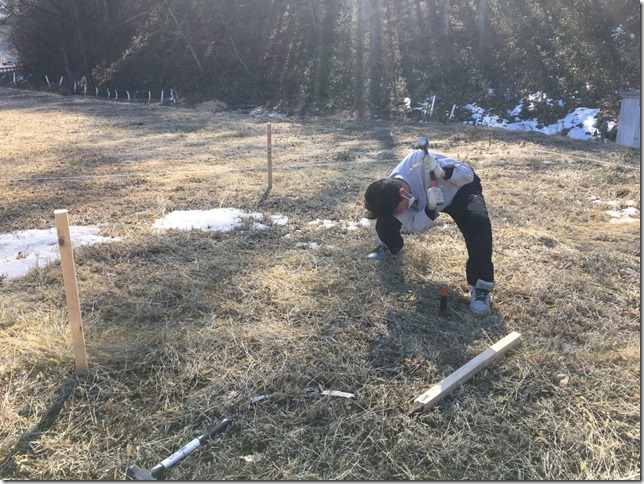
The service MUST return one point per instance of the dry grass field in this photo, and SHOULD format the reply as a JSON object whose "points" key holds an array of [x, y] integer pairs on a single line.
{"points": [[184, 328]]}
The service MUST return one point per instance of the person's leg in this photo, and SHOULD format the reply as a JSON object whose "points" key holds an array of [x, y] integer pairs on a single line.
{"points": [[477, 232], [469, 211]]}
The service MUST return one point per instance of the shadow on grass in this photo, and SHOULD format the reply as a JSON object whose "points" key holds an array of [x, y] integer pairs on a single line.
{"points": [[262, 200], [421, 341], [8, 466]]}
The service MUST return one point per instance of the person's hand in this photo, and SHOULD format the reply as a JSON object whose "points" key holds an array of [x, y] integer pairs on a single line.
{"points": [[434, 197], [432, 165]]}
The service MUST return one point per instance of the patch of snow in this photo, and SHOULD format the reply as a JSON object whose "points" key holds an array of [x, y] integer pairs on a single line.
{"points": [[625, 215], [265, 112], [25, 249], [217, 219], [629, 214], [309, 245], [22, 250], [326, 224], [279, 219], [276, 219], [345, 224], [580, 123], [362, 223]]}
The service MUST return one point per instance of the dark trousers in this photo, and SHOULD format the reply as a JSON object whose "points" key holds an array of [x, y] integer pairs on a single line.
{"points": [[469, 212]]}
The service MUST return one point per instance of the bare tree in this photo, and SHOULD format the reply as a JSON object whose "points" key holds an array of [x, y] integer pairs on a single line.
{"points": [[185, 38], [483, 26], [446, 16], [375, 55]]}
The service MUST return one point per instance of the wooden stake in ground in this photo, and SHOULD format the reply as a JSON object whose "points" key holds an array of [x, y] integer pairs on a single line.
{"points": [[465, 372], [270, 155], [71, 288]]}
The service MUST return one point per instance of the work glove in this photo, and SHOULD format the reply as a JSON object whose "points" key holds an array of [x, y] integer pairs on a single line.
{"points": [[431, 162], [434, 197]]}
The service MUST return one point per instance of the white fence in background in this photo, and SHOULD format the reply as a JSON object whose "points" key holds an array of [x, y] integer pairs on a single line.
{"points": [[4, 69], [426, 108], [145, 96]]}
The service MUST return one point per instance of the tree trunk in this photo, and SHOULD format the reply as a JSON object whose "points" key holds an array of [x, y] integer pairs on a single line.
{"points": [[85, 64], [483, 27], [358, 78], [192, 51], [446, 14], [325, 47], [375, 56], [68, 71]]}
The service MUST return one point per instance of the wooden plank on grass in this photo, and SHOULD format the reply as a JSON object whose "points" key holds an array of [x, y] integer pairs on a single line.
{"points": [[465, 372], [71, 288]]}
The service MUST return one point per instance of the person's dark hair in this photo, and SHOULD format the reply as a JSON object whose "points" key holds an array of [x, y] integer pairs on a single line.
{"points": [[382, 197]]}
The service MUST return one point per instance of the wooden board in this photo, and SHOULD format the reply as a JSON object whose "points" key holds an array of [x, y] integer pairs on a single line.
{"points": [[465, 372], [71, 289]]}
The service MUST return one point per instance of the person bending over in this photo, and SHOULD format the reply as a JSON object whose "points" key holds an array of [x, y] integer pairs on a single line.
{"points": [[407, 198]]}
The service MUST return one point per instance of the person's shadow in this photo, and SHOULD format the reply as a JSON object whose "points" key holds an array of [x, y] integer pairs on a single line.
{"points": [[422, 339]]}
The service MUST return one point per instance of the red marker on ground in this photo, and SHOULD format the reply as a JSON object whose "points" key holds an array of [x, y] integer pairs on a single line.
{"points": [[444, 291]]}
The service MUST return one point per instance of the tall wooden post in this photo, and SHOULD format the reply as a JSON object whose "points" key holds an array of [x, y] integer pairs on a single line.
{"points": [[71, 289], [270, 155]]}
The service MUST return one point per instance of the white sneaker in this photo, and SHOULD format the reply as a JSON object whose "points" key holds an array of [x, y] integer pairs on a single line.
{"points": [[380, 252], [480, 303]]}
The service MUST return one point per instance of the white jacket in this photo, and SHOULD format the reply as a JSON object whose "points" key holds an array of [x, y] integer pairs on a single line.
{"points": [[412, 170]]}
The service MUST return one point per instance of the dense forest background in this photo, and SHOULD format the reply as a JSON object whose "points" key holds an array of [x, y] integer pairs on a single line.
{"points": [[360, 56]]}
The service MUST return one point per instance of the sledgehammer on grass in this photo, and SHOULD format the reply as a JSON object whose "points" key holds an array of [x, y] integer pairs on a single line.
{"points": [[136, 473]]}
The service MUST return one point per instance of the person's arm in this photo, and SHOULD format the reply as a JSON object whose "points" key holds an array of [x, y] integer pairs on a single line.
{"points": [[459, 174], [431, 212], [452, 171], [416, 220]]}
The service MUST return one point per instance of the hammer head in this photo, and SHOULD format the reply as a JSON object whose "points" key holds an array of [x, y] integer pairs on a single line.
{"points": [[135, 473]]}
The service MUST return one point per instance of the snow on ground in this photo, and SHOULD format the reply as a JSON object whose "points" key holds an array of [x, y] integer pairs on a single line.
{"points": [[21, 251], [348, 224], [624, 215], [217, 219], [579, 124], [620, 213], [225, 219]]}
